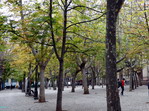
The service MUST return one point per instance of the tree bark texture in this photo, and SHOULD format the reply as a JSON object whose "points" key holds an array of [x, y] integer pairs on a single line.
{"points": [[113, 100], [42, 84], [61, 60], [23, 83], [60, 88], [36, 84], [73, 83], [29, 80], [135, 80], [131, 80], [140, 78], [74, 75], [85, 85], [0, 85], [93, 80]]}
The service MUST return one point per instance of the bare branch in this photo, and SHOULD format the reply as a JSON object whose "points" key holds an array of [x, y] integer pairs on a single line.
{"points": [[84, 37], [72, 45], [49, 56], [51, 26], [86, 21], [119, 70], [78, 6], [62, 2], [60, 6], [44, 43], [120, 59], [69, 3]]}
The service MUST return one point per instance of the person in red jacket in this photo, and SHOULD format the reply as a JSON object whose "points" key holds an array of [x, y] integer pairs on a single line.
{"points": [[122, 86]]}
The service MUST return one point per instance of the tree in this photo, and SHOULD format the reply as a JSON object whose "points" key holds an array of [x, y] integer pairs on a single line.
{"points": [[113, 101], [32, 30], [66, 7], [134, 28]]}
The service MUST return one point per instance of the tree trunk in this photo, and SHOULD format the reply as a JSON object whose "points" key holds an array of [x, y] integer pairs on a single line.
{"points": [[73, 84], [135, 80], [97, 80], [54, 84], [60, 87], [102, 82], [113, 100], [42, 84], [29, 86], [93, 80], [29, 80], [85, 85], [36, 83], [0, 85], [52, 81], [46, 83], [140, 78], [63, 84], [23, 83], [66, 81], [74, 75], [131, 80], [140, 81]]}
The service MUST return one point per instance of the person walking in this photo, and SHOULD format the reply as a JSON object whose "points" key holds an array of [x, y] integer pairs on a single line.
{"points": [[122, 86]]}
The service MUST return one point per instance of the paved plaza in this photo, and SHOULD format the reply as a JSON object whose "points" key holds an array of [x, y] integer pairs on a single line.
{"points": [[15, 100]]}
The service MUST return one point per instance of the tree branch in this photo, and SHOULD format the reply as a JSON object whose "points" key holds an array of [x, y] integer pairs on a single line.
{"points": [[119, 6], [146, 18], [72, 45], [62, 2], [84, 37], [51, 26], [120, 59], [49, 56], [60, 6], [79, 6], [69, 4], [119, 70], [86, 21]]}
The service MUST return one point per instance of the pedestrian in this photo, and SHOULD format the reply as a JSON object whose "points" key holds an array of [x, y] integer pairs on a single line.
{"points": [[122, 86]]}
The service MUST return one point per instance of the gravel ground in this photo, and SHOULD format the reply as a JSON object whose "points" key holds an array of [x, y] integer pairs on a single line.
{"points": [[15, 100]]}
